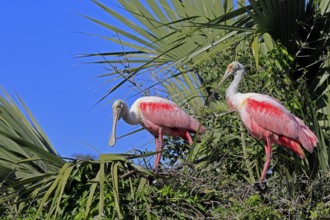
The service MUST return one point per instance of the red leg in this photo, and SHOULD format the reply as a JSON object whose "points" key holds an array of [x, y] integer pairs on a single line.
{"points": [[161, 143], [157, 155], [188, 137], [268, 149], [159, 147]]}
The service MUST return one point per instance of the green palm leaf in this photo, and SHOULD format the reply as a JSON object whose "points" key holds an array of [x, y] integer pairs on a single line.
{"points": [[169, 34], [23, 145]]}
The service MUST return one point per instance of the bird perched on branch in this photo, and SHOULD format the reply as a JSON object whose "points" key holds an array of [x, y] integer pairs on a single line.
{"points": [[267, 119], [159, 116]]}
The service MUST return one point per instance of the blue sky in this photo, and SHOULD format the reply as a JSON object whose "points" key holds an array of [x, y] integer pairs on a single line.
{"points": [[39, 42]]}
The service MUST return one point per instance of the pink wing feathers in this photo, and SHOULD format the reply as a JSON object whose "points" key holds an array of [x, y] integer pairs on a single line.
{"points": [[306, 137], [168, 114], [272, 116]]}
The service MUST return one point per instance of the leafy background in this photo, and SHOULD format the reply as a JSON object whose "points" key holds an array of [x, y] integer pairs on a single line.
{"points": [[182, 48]]}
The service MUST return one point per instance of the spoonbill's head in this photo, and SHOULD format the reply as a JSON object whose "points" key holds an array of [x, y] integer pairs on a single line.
{"points": [[118, 109], [232, 69]]}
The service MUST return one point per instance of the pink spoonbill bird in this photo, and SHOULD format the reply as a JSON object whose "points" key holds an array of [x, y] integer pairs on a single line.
{"points": [[267, 119], [159, 116]]}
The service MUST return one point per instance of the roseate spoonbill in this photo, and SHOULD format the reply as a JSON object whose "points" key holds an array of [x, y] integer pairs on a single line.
{"points": [[157, 115], [267, 119]]}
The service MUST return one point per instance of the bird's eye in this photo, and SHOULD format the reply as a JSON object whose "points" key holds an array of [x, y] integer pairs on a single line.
{"points": [[236, 67]]}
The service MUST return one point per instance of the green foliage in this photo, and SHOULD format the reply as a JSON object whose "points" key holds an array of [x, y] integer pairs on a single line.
{"points": [[115, 188], [84, 189]]}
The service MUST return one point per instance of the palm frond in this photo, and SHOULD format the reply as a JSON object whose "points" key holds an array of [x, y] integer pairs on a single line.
{"points": [[168, 34], [25, 149]]}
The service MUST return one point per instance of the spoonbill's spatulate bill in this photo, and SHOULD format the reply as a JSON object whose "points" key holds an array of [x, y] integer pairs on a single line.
{"points": [[157, 115], [267, 119]]}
